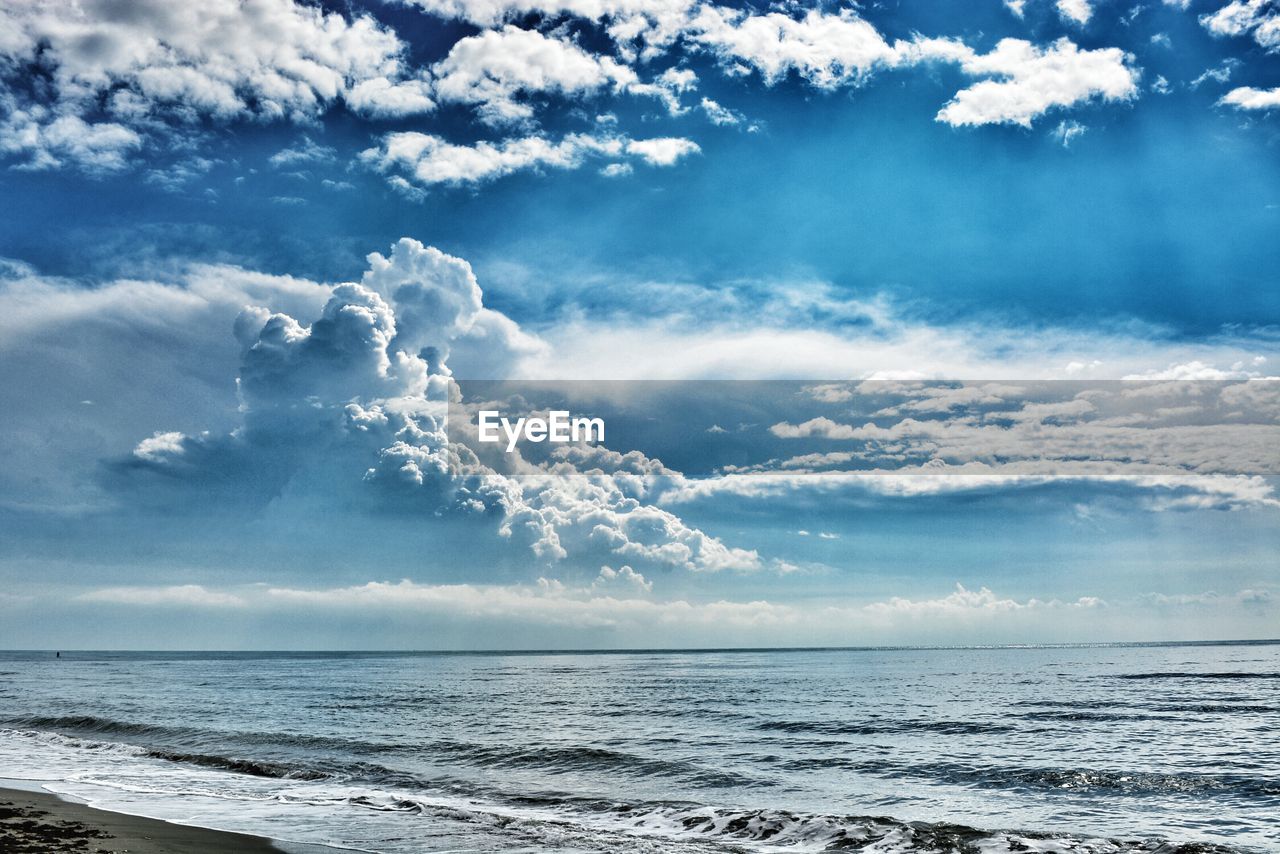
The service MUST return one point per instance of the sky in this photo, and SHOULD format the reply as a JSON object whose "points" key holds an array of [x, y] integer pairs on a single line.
{"points": [[1006, 268]]}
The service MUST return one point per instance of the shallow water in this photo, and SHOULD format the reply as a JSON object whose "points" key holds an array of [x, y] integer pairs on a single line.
{"points": [[1103, 748]]}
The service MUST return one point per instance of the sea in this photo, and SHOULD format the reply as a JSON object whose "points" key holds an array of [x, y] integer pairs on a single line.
{"points": [[1097, 748]]}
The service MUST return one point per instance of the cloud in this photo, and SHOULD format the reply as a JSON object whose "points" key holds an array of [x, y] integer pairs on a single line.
{"points": [[185, 595], [1258, 18], [425, 160], [1108, 429], [661, 151], [46, 141], [632, 615], [348, 411], [1068, 131], [803, 332], [117, 76], [645, 27], [1075, 11], [1029, 81], [121, 82], [969, 603], [1249, 98], [720, 115], [493, 69], [826, 50], [1220, 73], [625, 577], [305, 151]]}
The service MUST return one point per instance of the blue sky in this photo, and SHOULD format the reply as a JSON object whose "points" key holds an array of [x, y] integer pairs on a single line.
{"points": [[212, 441]]}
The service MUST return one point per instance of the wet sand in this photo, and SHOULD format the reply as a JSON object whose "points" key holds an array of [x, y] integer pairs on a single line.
{"points": [[41, 823]]}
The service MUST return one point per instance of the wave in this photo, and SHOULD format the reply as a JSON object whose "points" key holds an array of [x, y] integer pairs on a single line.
{"points": [[252, 767], [1132, 783], [1218, 708], [560, 821], [1185, 674], [878, 727], [587, 758], [771, 830]]}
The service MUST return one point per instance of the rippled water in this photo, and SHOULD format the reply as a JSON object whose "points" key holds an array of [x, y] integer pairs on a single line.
{"points": [[1108, 748]]}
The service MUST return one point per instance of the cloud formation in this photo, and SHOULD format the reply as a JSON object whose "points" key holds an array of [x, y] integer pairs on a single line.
{"points": [[92, 82], [632, 615], [424, 160], [349, 410], [97, 85], [1249, 98], [1027, 81], [1257, 18]]}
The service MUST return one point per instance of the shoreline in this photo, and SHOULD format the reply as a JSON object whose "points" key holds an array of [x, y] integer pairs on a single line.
{"points": [[34, 821]]}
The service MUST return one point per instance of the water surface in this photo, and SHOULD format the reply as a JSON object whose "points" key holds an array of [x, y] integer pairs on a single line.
{"points": [[1100, 748]]}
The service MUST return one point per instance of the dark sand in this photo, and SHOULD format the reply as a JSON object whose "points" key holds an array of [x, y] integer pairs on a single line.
{"points": [[41, 823]]}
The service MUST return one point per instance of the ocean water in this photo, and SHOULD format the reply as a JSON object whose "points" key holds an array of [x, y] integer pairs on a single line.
{"points": [[1089, 749]]}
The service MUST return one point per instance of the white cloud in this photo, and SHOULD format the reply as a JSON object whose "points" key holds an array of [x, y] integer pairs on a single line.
{"points": [[48, 142], [1249, 98], [969, 603], [426, 160], [1029, 81], [1220, 73], [1260, 18], [159, 446], [361, 391], [383, 98], [179, 595], [1068, 131], [624, 577], [494, 68], [1075, 11], [662, 151], [634, 615], [617, 170], [720, 115], [305, 151], [827, 50], [785, 344], [151, 68]]}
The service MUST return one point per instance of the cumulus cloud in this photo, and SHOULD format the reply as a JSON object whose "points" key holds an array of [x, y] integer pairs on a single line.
{"points": [[1249, 98], [493, 69], [1258, 18], [425, 160], [115, 82], [350, 409], [827, 50], [46, 140], [1075, 11], [114, 76], [1029, 81]]}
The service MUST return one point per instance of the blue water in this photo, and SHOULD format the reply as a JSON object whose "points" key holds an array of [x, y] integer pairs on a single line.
{"points": [[1103, 748]]}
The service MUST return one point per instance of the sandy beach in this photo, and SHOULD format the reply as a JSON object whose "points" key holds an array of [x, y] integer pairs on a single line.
{"points": [[41, 823]]}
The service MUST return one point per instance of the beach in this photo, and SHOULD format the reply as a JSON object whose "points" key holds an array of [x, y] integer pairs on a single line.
{"points": [[42, 823]]}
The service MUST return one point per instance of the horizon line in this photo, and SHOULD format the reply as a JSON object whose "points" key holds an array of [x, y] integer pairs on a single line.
{"points": [[662, 650]]}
